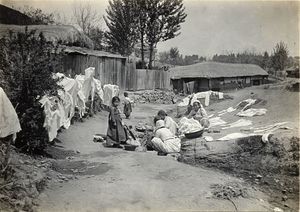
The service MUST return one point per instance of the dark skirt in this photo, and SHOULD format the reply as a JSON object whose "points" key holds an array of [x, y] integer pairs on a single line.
{"points": [[127, 109], [116, 132]]}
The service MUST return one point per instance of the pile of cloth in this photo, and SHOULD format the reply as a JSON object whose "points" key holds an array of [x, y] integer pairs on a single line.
{"points": [[155, 96], [189, 125]]}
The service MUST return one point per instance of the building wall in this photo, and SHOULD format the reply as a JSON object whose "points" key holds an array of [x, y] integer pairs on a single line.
{"points": [[217, 84]]}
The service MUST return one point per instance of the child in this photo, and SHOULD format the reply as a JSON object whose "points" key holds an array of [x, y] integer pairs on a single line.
{"points": [[127, 106], [116, 133]]}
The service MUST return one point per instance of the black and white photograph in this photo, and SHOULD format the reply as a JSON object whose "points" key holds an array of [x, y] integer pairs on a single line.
{"points": [[149, 105]]}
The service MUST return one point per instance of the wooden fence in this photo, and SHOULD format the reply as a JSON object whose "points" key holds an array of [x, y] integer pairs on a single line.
{"points": [[117, 71]]}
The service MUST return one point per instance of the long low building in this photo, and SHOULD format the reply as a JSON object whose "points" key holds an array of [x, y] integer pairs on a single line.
{"points": [[216, 76]]}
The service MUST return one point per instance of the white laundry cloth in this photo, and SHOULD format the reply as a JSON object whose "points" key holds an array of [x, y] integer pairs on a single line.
{"points": [[239, 123], [9, 121], [216, 121], [233, 136], [109, 92], [189, 125], [252, 112], [248, 103]]}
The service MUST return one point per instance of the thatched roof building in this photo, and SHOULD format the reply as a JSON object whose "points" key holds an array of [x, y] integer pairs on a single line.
{"points": [[216, 76], [217, 70], [65, 34]]}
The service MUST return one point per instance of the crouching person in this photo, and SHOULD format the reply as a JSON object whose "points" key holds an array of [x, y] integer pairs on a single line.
{"points": [[164, 141]]}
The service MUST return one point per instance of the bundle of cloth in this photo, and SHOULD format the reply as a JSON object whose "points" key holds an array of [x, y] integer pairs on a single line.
{"points": [[187, 125]]}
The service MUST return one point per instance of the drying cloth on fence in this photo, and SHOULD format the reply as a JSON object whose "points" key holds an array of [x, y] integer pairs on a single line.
{"points": [[54, 115], [216, 121], [233, 136], [109, 92], [98, 88], [9, 122], [252, 112], [239, 123], [189, 125], [66, 105], [206, 95]]}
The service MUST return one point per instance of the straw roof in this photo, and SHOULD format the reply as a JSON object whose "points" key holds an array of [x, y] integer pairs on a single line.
{"points": [[85, 51], [54, 33], [216, 70]]}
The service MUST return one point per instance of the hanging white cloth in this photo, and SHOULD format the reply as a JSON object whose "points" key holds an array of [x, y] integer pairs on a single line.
{"points": [[9, 121]]}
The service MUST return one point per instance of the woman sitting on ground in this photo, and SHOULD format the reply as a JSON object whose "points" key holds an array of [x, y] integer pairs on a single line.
{"points": [[169, 122], [164, 141], [198, 113]]}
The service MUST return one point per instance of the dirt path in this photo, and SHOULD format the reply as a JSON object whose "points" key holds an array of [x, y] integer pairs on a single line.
{"points": [[119, 180]]}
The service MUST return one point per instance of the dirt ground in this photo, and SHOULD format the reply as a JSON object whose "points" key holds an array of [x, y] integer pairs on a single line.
{"points": [[113, 179]]}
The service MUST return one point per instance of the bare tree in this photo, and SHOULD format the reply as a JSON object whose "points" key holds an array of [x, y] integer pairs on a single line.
{"points": [[86, 17]]}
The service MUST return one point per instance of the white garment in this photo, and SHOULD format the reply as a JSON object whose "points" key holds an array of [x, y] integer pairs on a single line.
{"points": [[171, 124], [169, 146], [233, 136], [239, 123], [216, 121], [9, 122], [109, 92], [248, 102], [252, 112], [98, 88]]}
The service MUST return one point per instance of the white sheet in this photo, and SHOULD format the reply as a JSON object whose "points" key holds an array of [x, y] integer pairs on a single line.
{"points": [[252, 112], [9, 121]]}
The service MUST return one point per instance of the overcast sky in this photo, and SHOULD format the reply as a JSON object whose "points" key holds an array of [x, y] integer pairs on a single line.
{"points": [[214, 27]]}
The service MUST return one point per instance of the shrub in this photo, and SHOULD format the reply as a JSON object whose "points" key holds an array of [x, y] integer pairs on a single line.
{"points": [[27, 62]]}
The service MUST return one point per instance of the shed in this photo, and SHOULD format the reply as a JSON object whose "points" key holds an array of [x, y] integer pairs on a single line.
{"points": [[216, 76], [109, 68]]}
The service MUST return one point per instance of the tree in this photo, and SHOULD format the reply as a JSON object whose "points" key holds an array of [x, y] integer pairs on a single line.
{"points": [[97, 36], [266, 60], [120, 20], [140, 16], [164, 57], [163, 22], [28, 63], [86, 17], [38, 16], [174, 55], [280, 57]]}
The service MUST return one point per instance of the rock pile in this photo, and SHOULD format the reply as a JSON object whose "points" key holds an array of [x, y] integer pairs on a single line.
{"points": [[155, 96]]}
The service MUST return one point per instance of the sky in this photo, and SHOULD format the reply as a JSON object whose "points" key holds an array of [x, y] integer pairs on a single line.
{"points": [[213, 27]]}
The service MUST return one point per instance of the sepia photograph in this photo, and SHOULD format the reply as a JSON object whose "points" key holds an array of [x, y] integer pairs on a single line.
{"points": [[149, 105]]}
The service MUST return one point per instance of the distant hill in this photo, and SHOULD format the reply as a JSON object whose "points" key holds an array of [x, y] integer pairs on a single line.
{"points": [[11, 16]]}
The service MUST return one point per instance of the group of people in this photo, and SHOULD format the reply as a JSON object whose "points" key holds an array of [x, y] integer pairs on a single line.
{"points": [[165, 139]]}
